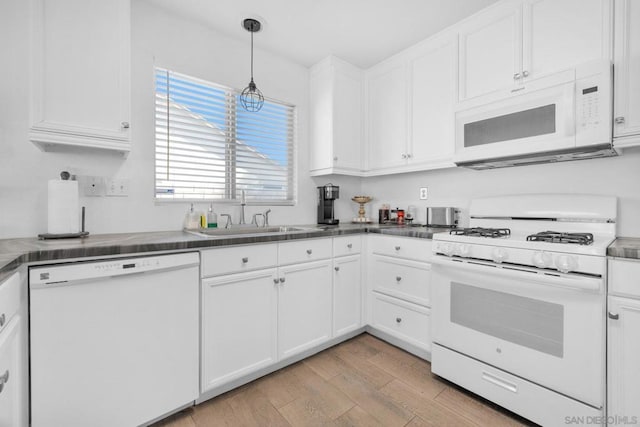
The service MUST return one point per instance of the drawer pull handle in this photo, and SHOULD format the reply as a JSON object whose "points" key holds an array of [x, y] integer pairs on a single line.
{"points": [[397, 248], [398, 278], [282, 280], [309, 251], [507, 385], [4, 379], [336, 268], [398, 319], [614, 316], [2, 320], [350, 245], [245, 260]]}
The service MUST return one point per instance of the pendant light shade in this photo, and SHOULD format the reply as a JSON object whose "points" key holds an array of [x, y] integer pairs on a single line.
{"points": [[251, 97]]}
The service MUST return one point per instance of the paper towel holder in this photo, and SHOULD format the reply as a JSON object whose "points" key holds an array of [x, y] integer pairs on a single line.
{"points": [[81, 234]]}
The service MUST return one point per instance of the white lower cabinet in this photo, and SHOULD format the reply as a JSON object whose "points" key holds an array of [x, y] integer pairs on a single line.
{"points": [[304, 306], [623, 356], [347, 296], [407, 321], [239, 325]]}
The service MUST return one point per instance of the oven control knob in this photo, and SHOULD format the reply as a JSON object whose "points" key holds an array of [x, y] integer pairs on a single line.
{"points": [[446, 249], [499, 255], [542, 259], [566, 263]]}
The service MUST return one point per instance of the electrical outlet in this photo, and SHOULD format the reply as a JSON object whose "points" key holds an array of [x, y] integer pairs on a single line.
{"points": [[423, 193], [92, 186], [117, 187]]}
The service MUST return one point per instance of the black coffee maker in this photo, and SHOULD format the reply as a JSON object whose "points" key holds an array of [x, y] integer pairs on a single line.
{"points": [[326, 196]]}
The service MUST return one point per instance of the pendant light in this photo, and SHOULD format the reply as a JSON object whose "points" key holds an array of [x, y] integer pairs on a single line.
{"points": [[251, 97]]}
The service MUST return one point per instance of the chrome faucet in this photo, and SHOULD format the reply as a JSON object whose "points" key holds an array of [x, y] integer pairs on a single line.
{"points": [[266, 217], [254, 220]]}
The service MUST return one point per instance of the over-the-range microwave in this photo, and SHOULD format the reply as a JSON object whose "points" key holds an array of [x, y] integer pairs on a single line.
{"points": [[564, 116]]}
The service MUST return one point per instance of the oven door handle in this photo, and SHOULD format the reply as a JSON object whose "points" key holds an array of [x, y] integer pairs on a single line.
{"points": [[572, 282]]}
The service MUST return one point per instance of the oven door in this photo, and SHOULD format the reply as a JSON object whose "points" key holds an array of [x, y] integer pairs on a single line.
{"points": [[548, 329]]}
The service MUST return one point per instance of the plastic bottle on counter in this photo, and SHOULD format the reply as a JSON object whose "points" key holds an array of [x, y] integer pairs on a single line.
{"points": [[191, 219], [212, 218]]}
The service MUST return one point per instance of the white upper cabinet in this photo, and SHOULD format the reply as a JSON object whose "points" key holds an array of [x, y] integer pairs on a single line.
{"points": [[336, 118], [490, 50], [433, 67], [81, 74], [387, 114], [515, 41], [627, 72]]}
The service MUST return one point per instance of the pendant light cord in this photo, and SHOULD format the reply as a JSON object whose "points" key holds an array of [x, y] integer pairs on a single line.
{"points": [[252, 29]]}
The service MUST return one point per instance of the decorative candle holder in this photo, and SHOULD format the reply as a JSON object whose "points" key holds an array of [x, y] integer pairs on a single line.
{"points": [[362, 200]]}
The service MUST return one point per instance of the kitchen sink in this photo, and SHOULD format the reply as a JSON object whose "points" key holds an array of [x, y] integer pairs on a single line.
{"points": [[250, 231]]}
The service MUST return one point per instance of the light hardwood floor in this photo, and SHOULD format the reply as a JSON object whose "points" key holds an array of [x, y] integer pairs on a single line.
{"points": [[361, 382]]}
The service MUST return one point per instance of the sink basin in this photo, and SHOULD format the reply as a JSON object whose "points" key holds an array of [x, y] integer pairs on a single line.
{"points": [[250, 231]]}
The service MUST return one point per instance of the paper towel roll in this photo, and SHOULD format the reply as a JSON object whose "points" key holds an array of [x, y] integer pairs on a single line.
{"points": [[63, 208]]}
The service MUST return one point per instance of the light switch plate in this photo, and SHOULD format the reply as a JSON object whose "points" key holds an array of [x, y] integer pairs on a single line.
{"points": [[423, 193], [117, 187]]}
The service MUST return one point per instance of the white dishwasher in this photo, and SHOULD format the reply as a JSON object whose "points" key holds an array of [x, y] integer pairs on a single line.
{"points": [[113, 342]]}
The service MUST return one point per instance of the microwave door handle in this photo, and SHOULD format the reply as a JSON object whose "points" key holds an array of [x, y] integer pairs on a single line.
{"points": [[581, 283]]}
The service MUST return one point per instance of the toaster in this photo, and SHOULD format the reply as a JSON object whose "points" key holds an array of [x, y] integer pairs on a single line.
{"points": [[442, 217]]}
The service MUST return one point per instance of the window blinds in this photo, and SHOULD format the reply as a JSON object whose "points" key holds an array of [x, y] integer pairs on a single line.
{"points": [[209, 148]]}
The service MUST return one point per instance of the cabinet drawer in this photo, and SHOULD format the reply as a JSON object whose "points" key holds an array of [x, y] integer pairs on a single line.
{"points": [[401, 247], [303, 251], [236, 259], [9, 299], [409, 322], [347, 245], [624, 277], [403, 279]]}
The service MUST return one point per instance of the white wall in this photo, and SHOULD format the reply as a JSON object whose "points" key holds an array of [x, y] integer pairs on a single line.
{"points": [[619, 176], [157, 38]]}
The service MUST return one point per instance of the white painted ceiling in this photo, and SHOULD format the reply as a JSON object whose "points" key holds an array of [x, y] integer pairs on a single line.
{"points": [[362, 32]]}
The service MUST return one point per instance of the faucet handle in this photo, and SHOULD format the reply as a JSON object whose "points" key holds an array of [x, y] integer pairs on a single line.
{"points": [[229, 222], [254, 220]]}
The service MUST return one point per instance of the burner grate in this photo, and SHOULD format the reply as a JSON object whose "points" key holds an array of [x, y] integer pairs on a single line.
{"points": [[482, 232], [557, 237]]}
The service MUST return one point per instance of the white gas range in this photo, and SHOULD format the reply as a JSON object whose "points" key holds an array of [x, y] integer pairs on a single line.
{"points": [[519, 304]]}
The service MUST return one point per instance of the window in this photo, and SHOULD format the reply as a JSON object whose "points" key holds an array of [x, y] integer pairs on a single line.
{"points": [[209, 148]]}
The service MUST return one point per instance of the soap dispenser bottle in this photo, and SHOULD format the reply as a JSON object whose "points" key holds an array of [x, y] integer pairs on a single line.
{"points": [[191, 219], [212, 218]]}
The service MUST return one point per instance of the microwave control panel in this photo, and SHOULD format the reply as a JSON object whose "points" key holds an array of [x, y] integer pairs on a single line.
{"points": [[593, 107]]}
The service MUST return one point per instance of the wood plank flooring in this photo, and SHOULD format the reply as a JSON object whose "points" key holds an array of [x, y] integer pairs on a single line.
{"points": [[361, 382]]}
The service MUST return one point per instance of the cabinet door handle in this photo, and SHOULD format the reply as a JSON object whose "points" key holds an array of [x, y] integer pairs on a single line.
{"points": [[125, 125], [350, 245], [275, 280], [2, 320], [309, 251], [397, 248], [614, 316], [409, 155], [404, 156], [4, 379], [245, 260], [398, 278], [516, 76], [336, 268], [282, 280], [335, 158], [398, 319], [525, 73], [619, 120]]}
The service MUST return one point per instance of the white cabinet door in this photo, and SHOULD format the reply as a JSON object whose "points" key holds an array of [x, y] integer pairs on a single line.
{"points": [[387, 114], [239, 321], [433, 72], [336, 118], [491, 50], [81, 73], [627, 68], [304, 306], [560, 34], [11, 375], [347, 298], [623, 373]]}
